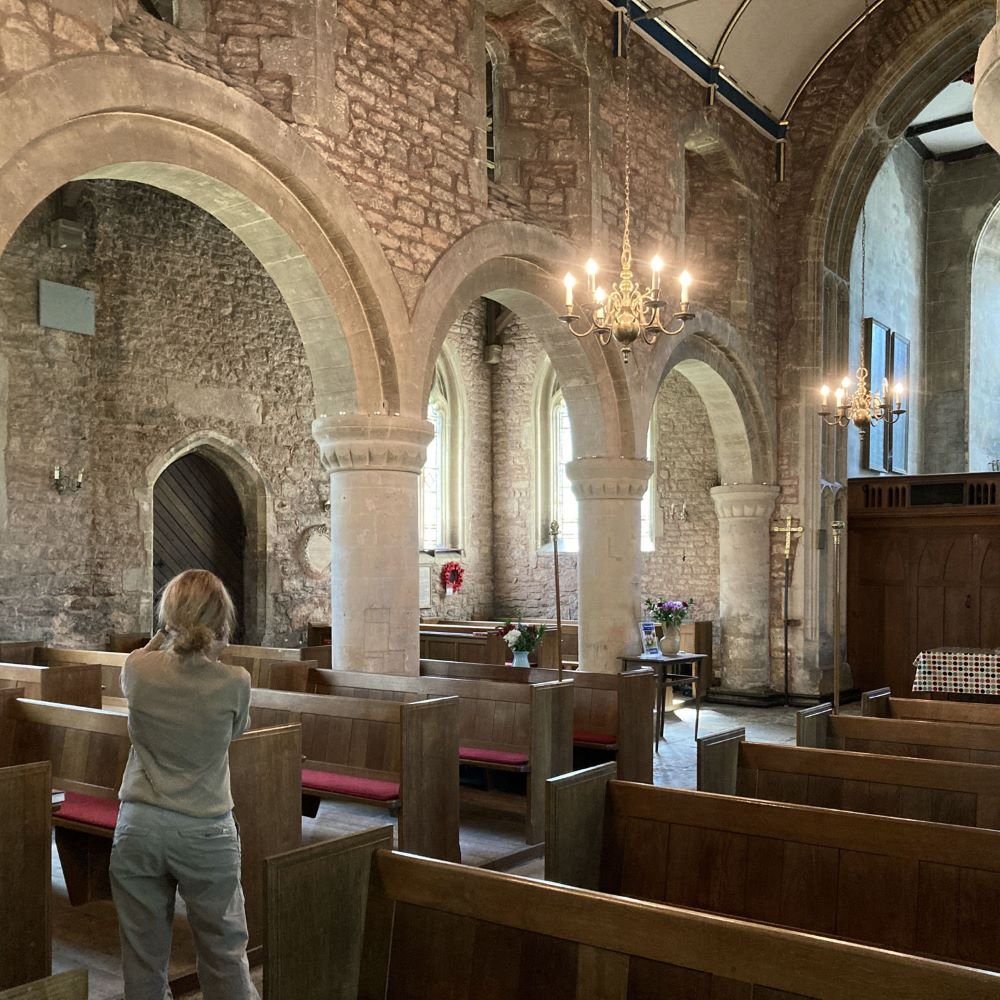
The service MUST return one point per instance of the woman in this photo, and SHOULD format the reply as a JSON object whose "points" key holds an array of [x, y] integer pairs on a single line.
{"points": [[175, 828]]}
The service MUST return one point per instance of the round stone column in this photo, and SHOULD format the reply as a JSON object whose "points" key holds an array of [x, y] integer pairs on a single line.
{"points": [[374, 464], [744, 514], [609, 564]]}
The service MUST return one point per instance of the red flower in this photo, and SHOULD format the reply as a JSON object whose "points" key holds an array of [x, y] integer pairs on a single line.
{"points": [[452, 576]]}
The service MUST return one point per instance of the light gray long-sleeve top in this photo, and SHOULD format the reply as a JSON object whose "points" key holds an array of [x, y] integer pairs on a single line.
{"points": [[183, 713]]}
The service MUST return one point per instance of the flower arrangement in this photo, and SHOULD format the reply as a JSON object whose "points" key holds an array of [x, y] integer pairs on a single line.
{"points": [[668, 613], [519, 637], [452, 576]]}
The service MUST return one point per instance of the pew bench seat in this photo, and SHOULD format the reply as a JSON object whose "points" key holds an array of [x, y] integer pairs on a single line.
{"points": [[350, 786], [594, 740], [87, 813], [499, 760]]}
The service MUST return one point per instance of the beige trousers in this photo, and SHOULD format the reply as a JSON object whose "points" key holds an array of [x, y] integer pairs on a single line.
{"points": [[156, 854]]}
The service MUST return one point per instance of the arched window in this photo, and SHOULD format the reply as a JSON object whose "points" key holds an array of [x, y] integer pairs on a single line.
{"points": [[647, 533], [441, 478], [491, 107], [564, 505]]}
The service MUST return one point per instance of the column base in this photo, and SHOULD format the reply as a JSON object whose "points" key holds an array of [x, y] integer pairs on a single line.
{"points": [[752, 698]]}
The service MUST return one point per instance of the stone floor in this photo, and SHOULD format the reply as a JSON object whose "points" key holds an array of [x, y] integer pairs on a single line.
{"points": [[88, 935]]}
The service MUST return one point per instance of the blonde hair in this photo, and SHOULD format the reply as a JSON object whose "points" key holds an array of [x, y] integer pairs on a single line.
{"points": [[196, 609]]}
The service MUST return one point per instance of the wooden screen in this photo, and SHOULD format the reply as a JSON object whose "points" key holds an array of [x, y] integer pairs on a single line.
{"points": [[198, 524]]}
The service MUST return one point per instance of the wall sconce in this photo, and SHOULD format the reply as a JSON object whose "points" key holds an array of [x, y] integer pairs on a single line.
{"points": [[63, 483]]}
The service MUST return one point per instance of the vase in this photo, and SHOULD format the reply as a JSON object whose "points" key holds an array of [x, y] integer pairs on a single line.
{"points": [[521, 658], [671, 641]]}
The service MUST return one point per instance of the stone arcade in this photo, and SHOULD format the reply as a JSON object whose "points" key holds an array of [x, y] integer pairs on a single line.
{"points": [[323, 243]]}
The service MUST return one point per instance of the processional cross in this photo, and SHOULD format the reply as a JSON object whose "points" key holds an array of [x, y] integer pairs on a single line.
{"points": [[789, 532]]}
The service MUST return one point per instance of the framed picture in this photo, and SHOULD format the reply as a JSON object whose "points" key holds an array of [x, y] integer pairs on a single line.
{"points": [[647, 633], [874, 446]]}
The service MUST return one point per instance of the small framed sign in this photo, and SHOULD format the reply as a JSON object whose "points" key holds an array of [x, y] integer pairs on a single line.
{"points": [[425, 587], [647, 633]]}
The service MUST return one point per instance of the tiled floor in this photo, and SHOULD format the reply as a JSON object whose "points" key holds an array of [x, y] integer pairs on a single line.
{"points": [[88, 935]]}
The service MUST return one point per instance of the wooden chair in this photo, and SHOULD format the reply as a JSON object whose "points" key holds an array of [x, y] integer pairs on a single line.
{"points": [[932, 790], [388, 926]]}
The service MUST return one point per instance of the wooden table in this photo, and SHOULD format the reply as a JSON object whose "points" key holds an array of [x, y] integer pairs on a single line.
{"points": [[667, 677]]}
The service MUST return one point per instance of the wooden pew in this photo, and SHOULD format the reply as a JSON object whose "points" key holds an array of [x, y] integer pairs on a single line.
{"points": [[968, 743], [110, 664], [472, 647], [384, 925], [403, 756], [520, 728], [570, 635], [127, 642], [271, 666], [25, 873], [19, 652], [936, 791], [611, 712], [66, 986], [70, 684], [88, 749], [880, 704], [922, 888]]}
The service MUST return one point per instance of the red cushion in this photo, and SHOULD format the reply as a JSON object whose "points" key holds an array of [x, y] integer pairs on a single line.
{"points": [[588, 736], [89, 809], [492, 756], [349, 784]]}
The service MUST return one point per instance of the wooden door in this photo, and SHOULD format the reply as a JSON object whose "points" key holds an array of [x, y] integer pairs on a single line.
{"points": [[198, 524]]}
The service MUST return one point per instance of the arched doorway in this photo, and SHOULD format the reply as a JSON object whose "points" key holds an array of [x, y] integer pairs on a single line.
{"points": [[198, 523]]}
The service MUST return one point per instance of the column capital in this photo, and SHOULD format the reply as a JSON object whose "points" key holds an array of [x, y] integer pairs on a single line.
{"points": [[609, 478], [744, 501], [353, 441]]}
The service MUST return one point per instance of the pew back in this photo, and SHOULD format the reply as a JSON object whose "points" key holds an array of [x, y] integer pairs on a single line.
{"points": [[472, 647], [880, 704], [384, 925], [930, 790], [922, 888], [968, 743], [25, 873], [267, 670], [110, 664], [528, 720], [413, 744], [70, 684]]}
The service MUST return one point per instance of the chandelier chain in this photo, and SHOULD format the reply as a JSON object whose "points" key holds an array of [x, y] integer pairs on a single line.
{"points": [[626, 239]]}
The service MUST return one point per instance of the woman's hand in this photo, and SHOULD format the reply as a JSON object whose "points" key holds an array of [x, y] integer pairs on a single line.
{"points": [[157, 642]]}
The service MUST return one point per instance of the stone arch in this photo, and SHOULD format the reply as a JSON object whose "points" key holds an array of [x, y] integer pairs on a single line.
{"points": [[258, 513], [518, 265], [205, 142], [710, 356]]}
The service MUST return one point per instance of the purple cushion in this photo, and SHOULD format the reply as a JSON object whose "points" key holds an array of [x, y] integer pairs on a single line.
{"points": [[90, 810], [476, 754], [349, 784]]}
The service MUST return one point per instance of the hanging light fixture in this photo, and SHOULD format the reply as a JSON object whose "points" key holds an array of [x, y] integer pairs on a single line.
{"points": [[862, 407], [628, 311]]}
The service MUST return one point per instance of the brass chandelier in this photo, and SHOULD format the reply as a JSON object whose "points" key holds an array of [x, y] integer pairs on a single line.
{"points": [[861, 407], [628, 311]]}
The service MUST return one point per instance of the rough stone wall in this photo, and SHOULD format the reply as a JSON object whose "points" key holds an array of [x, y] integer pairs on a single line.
{"points": [[192, 336], [475, 599], [685, 562], [960, 198], [894, 280], [522, 566]]}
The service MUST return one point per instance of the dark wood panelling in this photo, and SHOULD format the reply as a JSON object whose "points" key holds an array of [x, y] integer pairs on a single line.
{"points": [[198, 524]]}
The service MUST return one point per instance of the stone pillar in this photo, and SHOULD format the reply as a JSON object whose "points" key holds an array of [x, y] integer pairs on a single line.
{"points": [[609, 565], [744, 514], [374, 464]]}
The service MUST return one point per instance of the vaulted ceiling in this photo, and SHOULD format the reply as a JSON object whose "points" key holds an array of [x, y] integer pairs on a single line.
{"points": [[761, 53]]}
